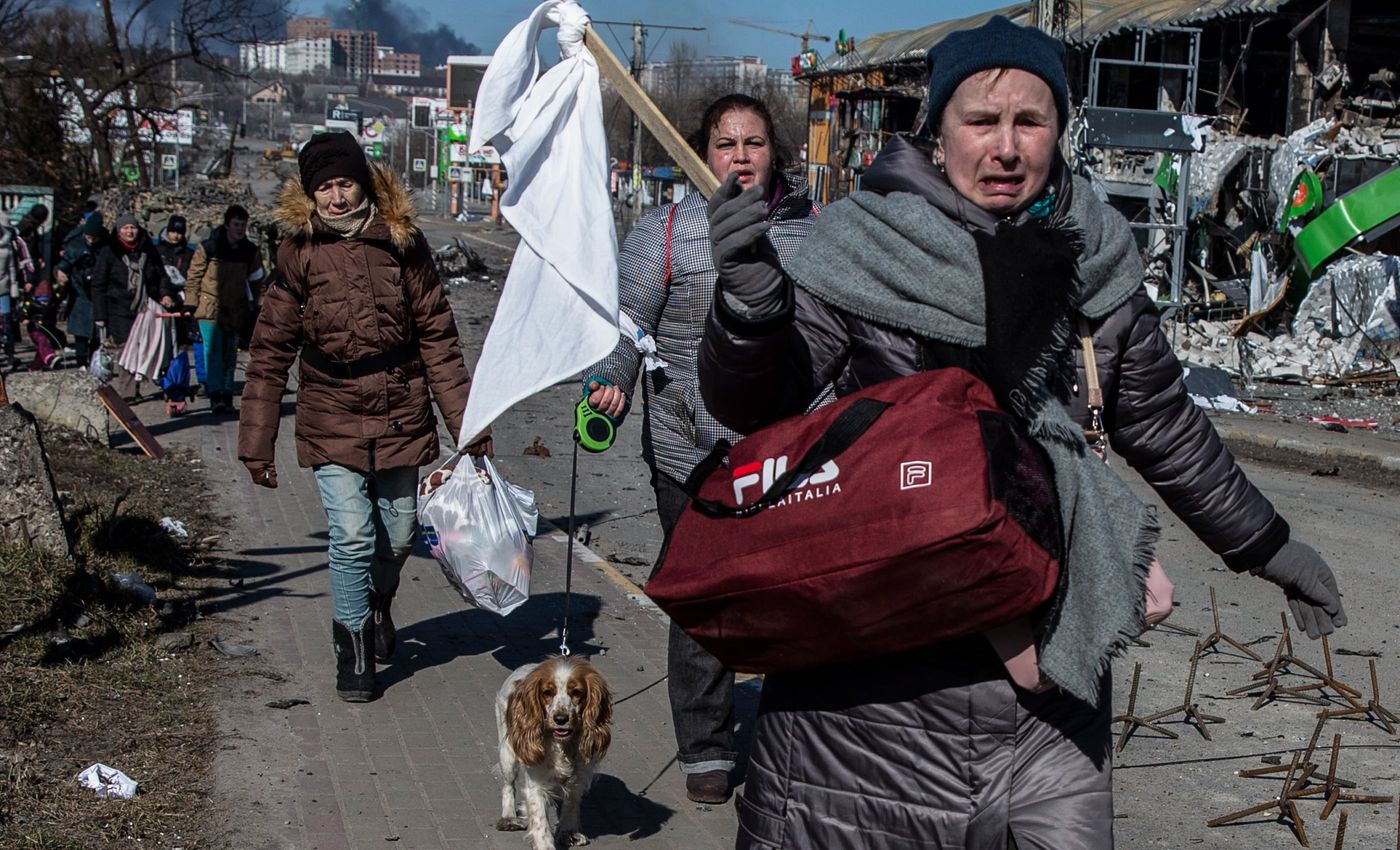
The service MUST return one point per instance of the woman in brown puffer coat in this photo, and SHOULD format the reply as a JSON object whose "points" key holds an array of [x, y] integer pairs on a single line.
{"points": [[360, 301]]}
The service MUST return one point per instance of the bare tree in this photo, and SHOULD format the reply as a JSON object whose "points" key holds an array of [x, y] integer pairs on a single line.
{"points": [[104, 74]]}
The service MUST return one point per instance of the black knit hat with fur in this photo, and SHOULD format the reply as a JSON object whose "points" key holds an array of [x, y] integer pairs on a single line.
{"points": [[329, 155]]}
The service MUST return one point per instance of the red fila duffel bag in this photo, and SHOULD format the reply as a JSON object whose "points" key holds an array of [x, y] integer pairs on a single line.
{"points": [[905, 514]]}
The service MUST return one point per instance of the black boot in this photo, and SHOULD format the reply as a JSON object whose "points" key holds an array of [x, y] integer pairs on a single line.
{"points": [[385, 637], [354, 667]]}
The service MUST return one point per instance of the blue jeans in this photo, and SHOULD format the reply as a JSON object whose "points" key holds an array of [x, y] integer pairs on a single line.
{"points": [[220, 356], [700, 686], [372, 519]]}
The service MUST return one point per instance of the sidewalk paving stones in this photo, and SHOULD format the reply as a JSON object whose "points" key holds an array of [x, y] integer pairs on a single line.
{"points": [[418, 766]]}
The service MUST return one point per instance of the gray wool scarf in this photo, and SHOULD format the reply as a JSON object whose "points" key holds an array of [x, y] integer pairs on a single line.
{"points": [[135, 277], [898, 261]]}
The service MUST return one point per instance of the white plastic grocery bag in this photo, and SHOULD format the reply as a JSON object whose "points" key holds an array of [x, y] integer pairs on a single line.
{"points": [[479, 527]]}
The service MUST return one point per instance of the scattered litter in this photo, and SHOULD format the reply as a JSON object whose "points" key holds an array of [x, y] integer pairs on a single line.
{"points": [[108, 782], [537, 448], [1367, 424], [1327, 473], [174, 526], [1211, 388], [1207, 381], [456, 261], [1227, 403], [583, 533], [629, 560], [233, 650], [131, 585], [1332, 426], [288, 702], [174, 641]]}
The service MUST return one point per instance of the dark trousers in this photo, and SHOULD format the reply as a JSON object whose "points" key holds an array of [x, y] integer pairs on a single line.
{"points": [[701, 688]]}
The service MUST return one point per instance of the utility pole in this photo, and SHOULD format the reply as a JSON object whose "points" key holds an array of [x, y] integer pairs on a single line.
{"points": [[639, 52], [1051, 15], [175, 89]]}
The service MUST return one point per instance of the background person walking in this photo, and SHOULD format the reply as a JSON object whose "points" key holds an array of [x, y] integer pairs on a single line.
{"points": [[74, 272], [220, 289], [127, 273], [359, 300]]}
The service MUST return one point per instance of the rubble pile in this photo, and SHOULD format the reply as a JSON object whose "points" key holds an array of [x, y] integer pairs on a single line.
{"points": [[1348, 325], [202, 203], [456, 262]]}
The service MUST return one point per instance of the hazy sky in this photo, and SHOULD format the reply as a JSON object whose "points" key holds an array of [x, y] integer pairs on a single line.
{"points": [[486, 22]]}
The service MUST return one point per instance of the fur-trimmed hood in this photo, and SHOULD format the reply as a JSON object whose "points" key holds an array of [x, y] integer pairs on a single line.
{"points": [[295, 210]]}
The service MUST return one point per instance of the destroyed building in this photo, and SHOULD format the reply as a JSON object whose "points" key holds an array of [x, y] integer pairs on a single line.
{"points": [[1253, 144]]}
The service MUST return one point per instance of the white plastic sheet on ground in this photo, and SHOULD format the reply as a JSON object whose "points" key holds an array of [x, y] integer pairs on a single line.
{"points": [[108, 782], [558, 309], [479, 526]]}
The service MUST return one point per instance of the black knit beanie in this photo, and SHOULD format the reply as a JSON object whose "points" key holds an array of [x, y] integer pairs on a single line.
{"points": [[996, 44], [92, 226], [329, 155], [177, 223]]}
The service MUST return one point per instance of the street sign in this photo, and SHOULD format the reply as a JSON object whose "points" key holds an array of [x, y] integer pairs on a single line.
{"points": [[420, 164], [459, 153], [168, 129], [168, 161], [484, 155], [341, 113], [340, 118], [455, 174]]}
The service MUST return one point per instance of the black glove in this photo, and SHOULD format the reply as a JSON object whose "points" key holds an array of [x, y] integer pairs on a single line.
{"points": [[1311, 588], [749, 271]]}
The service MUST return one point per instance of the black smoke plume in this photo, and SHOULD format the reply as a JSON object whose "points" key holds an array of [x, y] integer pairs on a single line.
{"points": [[396, 24]]}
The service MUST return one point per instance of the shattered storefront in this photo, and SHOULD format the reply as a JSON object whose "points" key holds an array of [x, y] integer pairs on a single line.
{"points": [[1253, 144]]}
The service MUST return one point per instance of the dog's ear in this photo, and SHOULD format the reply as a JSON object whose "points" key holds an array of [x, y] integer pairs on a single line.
{"points": [[596, 735], [525, 717]]}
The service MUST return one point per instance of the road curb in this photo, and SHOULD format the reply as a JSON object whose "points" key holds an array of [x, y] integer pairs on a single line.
{"points": [[1363, 466]]}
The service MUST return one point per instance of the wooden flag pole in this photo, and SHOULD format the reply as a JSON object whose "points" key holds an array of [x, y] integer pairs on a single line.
{"points": [[686, 157]]}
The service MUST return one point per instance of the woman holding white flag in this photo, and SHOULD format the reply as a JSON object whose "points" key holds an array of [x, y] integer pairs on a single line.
{"points": [[667, 281]]}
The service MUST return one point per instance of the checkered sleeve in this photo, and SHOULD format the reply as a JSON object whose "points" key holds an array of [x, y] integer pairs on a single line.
{"points": [[641, 294]]}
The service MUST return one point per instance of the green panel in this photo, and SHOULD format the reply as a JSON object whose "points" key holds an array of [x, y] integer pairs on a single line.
{"points": [[1306, 198], [1366, 207]]}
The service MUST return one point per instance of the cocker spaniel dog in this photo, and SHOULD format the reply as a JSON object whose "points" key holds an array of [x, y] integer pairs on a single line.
{"points": [[553, 721]]}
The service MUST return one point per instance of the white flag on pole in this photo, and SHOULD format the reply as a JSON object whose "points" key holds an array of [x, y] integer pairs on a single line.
{"points": [[558, 309]]}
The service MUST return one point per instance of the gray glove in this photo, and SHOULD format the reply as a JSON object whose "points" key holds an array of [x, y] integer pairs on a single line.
{"points": [[750, 274], [1311, 588]]}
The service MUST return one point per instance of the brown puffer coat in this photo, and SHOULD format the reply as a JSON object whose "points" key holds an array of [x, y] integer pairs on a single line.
{"points": [[354, 298], [218, 285]]}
